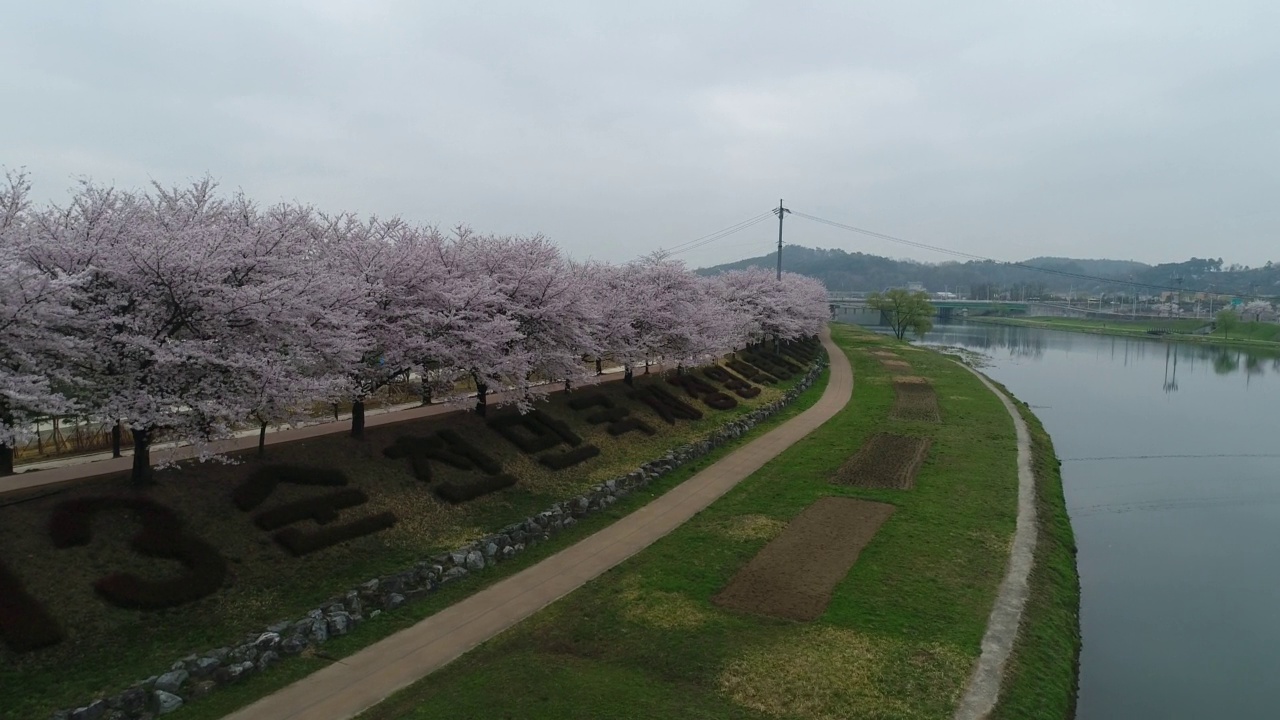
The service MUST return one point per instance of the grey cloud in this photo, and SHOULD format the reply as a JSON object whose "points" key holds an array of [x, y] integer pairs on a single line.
{"points": [[1142, 131]]}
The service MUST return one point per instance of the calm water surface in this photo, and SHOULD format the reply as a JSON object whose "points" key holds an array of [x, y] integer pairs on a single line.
{"points": [[1172, 476]]}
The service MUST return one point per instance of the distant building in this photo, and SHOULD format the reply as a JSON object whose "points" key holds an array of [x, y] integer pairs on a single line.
{"points": [[915, 287]]}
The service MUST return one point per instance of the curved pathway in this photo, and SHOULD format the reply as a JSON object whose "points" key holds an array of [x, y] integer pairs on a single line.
{"points": [[362, 680], [1002, 627]]}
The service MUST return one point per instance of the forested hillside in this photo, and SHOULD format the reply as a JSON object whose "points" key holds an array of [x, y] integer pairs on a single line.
{"points": [[844, 271]]}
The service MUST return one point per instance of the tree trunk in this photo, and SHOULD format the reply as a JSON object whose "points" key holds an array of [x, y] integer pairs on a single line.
{"points": [[357, 419], [142, 474], [568, 385], [115, 440], [262, 439], [335, 412], [482, 399], [628, 374], [426, 394], [599, 369], [6, 460], [646, 366]]}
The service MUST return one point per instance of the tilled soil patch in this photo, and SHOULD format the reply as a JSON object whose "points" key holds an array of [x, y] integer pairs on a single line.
{"points": [[792, 577], [885, 354], [896, 365], [914, 400], [885, 461]]}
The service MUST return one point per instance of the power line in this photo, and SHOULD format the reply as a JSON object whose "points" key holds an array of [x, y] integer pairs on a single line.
{"points": [[983, 258], [719, 235]]}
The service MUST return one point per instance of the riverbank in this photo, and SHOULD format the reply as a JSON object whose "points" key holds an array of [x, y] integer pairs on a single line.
{"points": [[1265, 336], [677, 631]]}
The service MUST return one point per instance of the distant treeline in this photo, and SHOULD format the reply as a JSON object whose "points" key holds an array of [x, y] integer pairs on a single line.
{"points": [[845, 271]]}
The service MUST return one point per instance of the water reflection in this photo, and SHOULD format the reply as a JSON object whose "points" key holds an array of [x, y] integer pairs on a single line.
{"points": [[1172, 479], [1019, 343]]}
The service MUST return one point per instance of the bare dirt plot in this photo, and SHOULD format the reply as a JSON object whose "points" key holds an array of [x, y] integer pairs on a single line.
{"points": [[885, 354], [896, 365], [793, 576], [885, 461], [914, 400]]}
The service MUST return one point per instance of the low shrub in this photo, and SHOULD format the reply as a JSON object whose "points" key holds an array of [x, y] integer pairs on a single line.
{"points": [[717, 373], [569, 458], [608, 415], [463, 491], [540, 431], [263, 481], [301, 542], [770, 365], [582, 402], [323, 509], [719, 401], [692, 385], [463, 447], [161, 536], [627, 425], [747, 392], [750, 372], [24, 623], [668, 406], [559, 427], [445, 446]]}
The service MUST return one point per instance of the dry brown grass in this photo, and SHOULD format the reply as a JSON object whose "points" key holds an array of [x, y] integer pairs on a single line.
{"points": [[830, 673], [753, 527], [915, 400], [660, 609]]}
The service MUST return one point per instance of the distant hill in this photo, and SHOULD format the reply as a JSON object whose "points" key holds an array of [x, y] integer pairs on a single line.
{"points": [[857, 272]]}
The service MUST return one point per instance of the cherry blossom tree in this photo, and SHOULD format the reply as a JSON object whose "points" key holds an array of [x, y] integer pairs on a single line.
{"points": [[186, 314], [34, 313], [394, 268], [527, 320], [301, 348]]}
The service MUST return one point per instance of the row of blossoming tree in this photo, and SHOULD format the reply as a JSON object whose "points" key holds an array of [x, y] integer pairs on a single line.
{"points": [[193, 313]]}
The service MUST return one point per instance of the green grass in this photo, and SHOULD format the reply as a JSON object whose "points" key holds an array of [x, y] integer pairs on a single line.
{"points": [[108, 648], [898, 639], [1041, 678]]}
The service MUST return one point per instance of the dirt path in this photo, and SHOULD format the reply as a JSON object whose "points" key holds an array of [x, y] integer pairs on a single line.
{"points": [[1002, 627], [362, 680]]}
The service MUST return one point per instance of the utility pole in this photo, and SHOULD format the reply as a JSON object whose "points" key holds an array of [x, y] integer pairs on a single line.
{"points": [[781, 211]]}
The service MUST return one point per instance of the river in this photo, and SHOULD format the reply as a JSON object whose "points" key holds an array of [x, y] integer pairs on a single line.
{"points": [[1171, 468]]}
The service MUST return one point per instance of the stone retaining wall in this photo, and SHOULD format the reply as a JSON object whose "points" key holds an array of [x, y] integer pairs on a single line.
{"points": [[197, 675]]}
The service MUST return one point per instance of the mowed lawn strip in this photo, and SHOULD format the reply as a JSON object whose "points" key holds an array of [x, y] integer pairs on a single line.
{"points": [[109, 648], [898, 638]]}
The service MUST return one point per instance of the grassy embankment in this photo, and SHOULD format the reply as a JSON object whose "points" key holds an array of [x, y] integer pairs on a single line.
{"points": [[1246, 334], [901, 632], [1042, 676], [107, 648]]}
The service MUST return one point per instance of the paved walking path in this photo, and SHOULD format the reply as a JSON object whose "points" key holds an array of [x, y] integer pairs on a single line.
{"points": [[82, 467], [1011, 598], [362, 680]]}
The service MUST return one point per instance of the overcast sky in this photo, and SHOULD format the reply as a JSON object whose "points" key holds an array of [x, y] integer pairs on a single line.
{"points": [[1148, 131]]}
